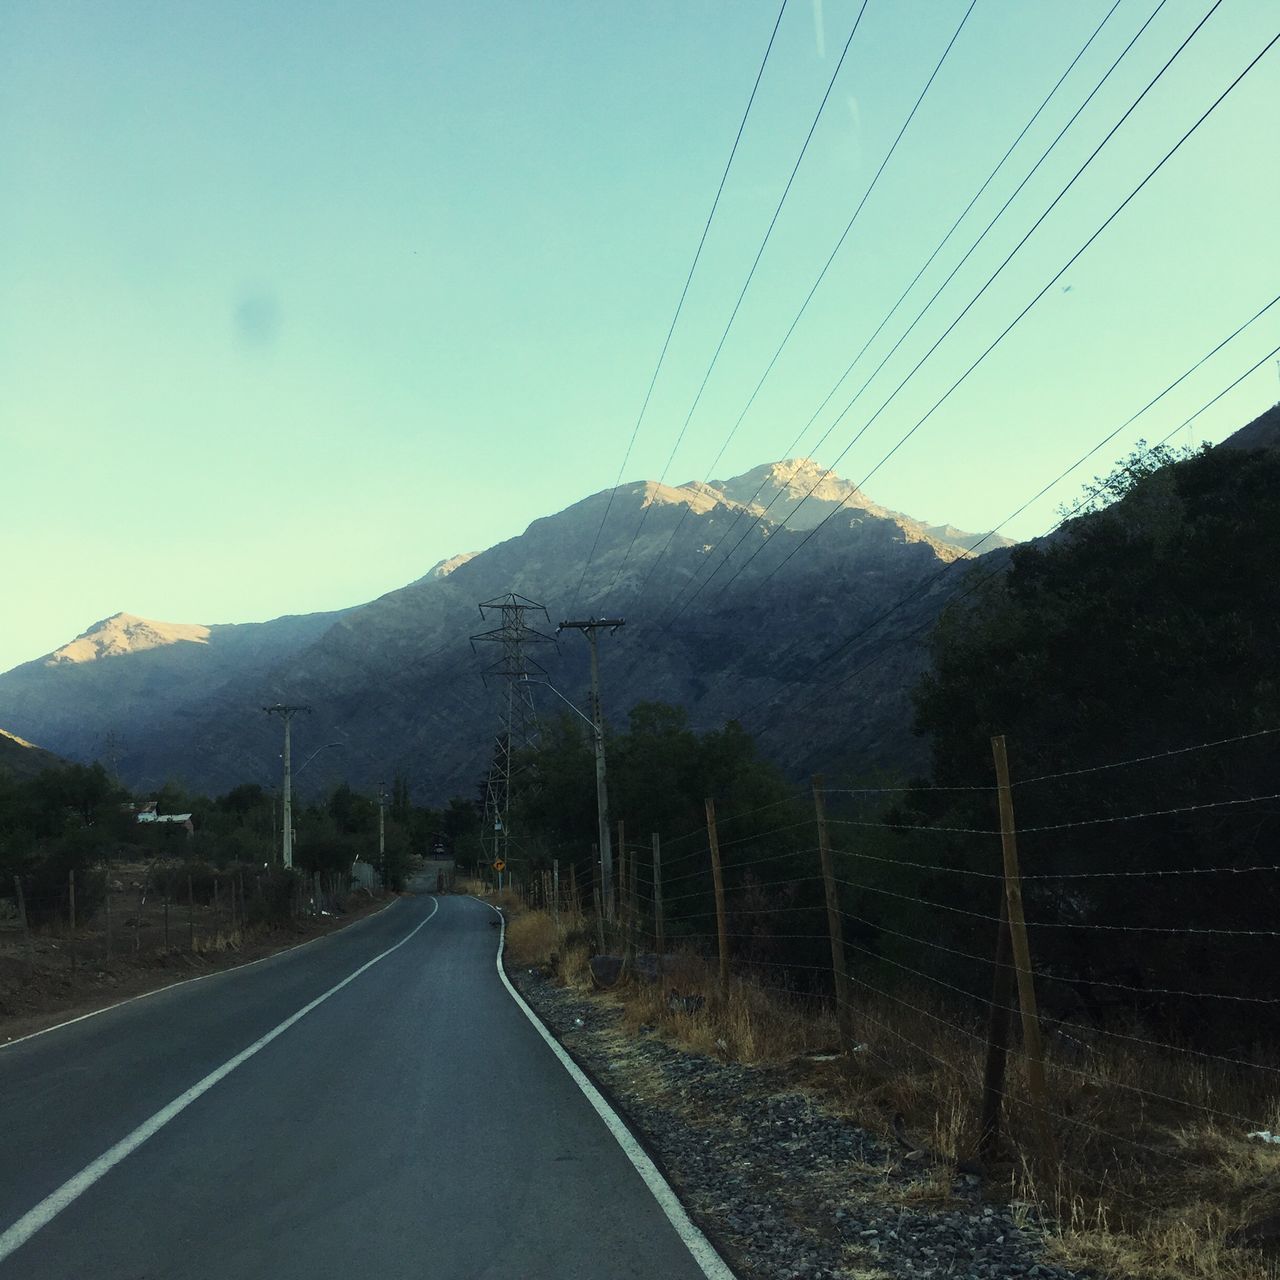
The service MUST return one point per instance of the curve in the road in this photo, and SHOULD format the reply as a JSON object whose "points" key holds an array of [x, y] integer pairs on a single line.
{"points": [[410, 1124]]}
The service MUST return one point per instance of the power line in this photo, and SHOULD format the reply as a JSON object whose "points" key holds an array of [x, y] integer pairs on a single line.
{"points": [[831, 257], [1036, 298], [978, 581], [969, 587], [733, 315], [901, 298], [924, 586], [662, 355], [929, 582]]}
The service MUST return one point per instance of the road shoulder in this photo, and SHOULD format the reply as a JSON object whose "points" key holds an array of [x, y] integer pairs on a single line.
{"points": [[783, 1185]]}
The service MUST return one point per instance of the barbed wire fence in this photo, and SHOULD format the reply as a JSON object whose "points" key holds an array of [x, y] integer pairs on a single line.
{"points": [[98, 918], [1088, 990]]}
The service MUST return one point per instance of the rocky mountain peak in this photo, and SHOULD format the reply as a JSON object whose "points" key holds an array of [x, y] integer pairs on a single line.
{"points": [[443, 568], [696, 496], [125, 633]]}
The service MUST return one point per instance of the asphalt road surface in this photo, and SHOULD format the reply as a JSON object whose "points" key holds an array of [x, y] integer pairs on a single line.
{"points": [[411, 1123]]}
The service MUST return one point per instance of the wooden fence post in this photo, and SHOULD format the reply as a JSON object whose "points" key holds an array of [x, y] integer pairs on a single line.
{"points": [[621, 885], [555, 893], [596, 896], [1021, 950], [106, 911], [717, 877], [191, 914], [835, 923], [71, 915], [166, 919], [997, 1041], [634, 914], [26, 927], [659, 926]]}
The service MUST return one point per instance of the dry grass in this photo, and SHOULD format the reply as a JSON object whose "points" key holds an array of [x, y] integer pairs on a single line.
{"points": [[215, 943], [744, 1024], [1144, 1181], [531, 937], [1140, 1183]]}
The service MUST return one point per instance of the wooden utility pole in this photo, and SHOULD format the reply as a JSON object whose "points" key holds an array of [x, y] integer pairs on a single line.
{"points": [[1021, 950], [286, 713], [71, 912], [835, 924], [997, 1040], [623, 888], [659, 928], [717, 878], [26, 926]]}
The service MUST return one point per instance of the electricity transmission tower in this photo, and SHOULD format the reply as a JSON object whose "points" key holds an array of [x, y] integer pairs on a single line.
{"points": [[518, 727]]}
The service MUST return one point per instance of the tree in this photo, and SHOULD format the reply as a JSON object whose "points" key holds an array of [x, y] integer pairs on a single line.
{"points": [[1150, 625]]}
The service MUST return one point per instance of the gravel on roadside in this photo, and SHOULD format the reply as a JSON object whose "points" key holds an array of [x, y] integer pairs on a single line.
{"points": [[787, 1189]]}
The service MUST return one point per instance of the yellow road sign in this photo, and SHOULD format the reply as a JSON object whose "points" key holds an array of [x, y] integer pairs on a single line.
{"points": [[499, 865]]}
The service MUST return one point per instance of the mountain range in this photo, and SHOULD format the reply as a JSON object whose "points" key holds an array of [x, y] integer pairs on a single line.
{"points": [[792, 562]]}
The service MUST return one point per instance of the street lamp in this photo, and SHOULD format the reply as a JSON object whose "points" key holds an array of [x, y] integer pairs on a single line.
{"points": [[286, 817], [602, 792], [316, 752]]}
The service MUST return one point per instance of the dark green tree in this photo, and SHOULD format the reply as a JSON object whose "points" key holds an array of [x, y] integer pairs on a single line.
{"points": [[1150, 625]]}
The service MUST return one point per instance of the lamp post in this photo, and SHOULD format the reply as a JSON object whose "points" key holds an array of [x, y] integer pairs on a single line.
{"points": [[602, 794], [589, 627]]}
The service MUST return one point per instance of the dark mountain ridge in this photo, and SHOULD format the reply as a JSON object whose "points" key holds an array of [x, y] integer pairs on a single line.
{"points": [[396, 683]]}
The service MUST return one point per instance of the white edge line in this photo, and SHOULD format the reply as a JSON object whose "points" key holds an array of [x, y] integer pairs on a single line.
{"points": [[200, 977], [56, 1201], [713, 1266]]}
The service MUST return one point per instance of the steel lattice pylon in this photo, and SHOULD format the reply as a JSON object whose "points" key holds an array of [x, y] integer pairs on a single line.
{"points": [[518, 729]]}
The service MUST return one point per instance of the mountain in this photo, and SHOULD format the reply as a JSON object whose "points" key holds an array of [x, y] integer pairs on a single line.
{"points": [[22, 759], [119, 681], [779, 488], [1262, 433], [123, 633], [727, 612]]}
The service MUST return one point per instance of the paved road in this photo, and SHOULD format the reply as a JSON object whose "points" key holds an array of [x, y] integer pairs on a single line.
{"points": [[412, 1124]]}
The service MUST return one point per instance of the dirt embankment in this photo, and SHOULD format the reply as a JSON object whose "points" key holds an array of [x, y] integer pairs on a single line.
{"points": [[59, 974]]}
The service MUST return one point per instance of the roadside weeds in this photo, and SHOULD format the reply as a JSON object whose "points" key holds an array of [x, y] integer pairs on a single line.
{"points": [[32, 1002], [1162, 1203]]}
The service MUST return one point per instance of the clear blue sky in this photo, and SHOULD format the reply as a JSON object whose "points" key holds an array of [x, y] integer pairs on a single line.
{"points": [[300, 298]]}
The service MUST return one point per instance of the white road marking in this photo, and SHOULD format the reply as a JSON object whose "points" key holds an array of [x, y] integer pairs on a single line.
{"points": [[200, 977], [713, 1266], [54, 1203]]}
